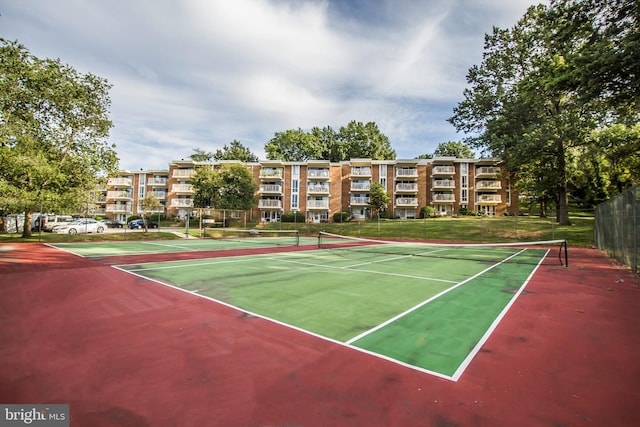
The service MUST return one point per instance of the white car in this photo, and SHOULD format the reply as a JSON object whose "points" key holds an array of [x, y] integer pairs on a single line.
{"points": [[81, 226]]}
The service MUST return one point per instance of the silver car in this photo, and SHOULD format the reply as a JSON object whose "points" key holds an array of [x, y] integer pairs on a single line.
{"points": [[81, 226]]}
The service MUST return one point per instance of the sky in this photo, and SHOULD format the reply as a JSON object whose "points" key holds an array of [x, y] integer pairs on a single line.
{"points": [[190, 74]]}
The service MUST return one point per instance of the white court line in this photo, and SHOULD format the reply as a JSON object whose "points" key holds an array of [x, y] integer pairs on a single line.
{"points": [[392, 259]]}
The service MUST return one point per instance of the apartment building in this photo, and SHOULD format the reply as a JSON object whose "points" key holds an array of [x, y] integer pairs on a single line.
{"points": [[319, 188]]}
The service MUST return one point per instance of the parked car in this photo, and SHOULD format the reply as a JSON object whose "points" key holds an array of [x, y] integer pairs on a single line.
{"points": [[110, 223], [49, 222], [80, 226], [137, 223]]}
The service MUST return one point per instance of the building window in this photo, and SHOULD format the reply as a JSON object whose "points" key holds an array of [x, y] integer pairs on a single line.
{"points": [[383, 176], [464, 183]]}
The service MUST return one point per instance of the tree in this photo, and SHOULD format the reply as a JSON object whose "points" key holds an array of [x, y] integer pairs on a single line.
{"points": [[454, 149], [149, 203], [525, 100], [235, 151], [293, 145], [378, 198], [365, 141], [228, 187], [356, 140], [199, 155], [54, 127]]}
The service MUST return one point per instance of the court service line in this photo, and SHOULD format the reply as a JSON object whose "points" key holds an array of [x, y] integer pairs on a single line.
{"points": [[392, 259], [408, 276], [423, 303]]}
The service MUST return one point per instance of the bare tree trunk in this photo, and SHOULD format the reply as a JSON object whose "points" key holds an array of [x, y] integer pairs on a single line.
{"points": [[26, 227]]}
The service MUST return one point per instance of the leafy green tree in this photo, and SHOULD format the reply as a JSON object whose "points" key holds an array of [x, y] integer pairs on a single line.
{"points": [[454, 149], [228, 187], [149, 203], [294, 145], [235, 151], [365, 141], [378, 198], [200, 155], [54, 127]]}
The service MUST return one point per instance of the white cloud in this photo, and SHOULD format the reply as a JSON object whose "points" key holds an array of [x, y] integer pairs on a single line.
{"points": [[201, 73]]}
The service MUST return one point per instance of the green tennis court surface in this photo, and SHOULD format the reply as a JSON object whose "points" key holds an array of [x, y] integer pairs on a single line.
{"points": [[427, 308]]}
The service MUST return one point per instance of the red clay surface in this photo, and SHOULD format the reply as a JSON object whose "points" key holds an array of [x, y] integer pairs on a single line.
{"points": [[124, 351]]}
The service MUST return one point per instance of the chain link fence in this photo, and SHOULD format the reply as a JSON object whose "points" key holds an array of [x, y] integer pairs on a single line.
{"points": [[617, 227]]}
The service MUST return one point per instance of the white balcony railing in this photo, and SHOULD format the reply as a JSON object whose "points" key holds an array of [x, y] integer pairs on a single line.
{"points": [[448, 198], [318, 173], [318, 189], [360, 186], [443, 183], [271, 188], [271, 174], [444, 170], [361, 171], [488, 185], [119, 208], [157, 182], [359, 200], [182, 188], [406, 201], [160, 195], [182, 203], [119, 182], [183, 173], [318, 204], [488, 198], [269, 204], [407, 187], [119, 195], [487, 170], [406, 173]]}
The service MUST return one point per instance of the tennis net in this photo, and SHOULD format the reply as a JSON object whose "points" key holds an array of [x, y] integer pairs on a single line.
{"points": [[255, 236], [481, 252]]}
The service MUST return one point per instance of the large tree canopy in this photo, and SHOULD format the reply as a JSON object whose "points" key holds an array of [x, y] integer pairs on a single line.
{"points": [[531, 102], [228, 187], [54, 127], [356, 140]]}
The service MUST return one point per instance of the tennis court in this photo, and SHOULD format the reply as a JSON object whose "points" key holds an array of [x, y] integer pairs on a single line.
{"points": [[424, 306]]}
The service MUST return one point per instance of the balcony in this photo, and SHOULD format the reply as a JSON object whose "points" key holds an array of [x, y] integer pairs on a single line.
{"points": [[487, 172], [318, 204], [360, 186], [119, 208], [488, 199], [157, 182], [181, 203], [271, 174], [121, 195], [183, 173], [270, 189], [269, 204], [443, 198], [488, 185], [318, 174], [359, 201], [160, 195], [182, 188], [443, 170], [119, 182], [407, 202], [406, 173], [443, 184], [361, 171], [406, 187], [318, 189]]}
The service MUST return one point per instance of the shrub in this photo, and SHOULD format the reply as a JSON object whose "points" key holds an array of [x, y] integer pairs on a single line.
{"points": [[427, 212], [293, 217], [343, 216]]}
